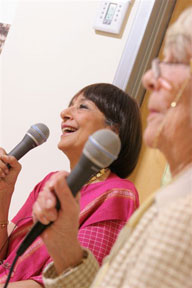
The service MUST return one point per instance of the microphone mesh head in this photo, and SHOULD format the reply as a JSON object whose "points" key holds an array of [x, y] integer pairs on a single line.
{"points": [[39, 132], [102, 147]]}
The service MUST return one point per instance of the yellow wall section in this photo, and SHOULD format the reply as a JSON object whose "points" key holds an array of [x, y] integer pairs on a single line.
{"points": [[149, 171]]}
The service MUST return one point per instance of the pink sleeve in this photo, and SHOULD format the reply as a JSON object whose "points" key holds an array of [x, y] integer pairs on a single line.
{"points": [[100, 237], [39, 278], [26, 211]]}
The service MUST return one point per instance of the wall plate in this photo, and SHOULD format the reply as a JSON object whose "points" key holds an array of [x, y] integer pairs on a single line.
{"points": [[110, 16]]}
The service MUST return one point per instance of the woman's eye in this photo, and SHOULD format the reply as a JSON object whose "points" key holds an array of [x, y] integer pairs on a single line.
{"points": [[83, 106]]}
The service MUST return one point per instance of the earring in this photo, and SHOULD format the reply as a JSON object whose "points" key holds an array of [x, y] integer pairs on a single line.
{"points": [[179, 94]]}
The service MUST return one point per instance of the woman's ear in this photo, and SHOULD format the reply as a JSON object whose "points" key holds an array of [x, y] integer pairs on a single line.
{"points": [[113, 127]]}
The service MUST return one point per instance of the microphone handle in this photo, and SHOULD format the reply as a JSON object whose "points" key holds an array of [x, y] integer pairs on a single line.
{"points": [[83, 171], [26, 144]]}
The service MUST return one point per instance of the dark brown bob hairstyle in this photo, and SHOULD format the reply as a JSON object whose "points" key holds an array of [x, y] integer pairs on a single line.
{"points": [[122, 113]]}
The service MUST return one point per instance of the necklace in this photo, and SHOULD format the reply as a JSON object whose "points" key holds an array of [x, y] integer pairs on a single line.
{"points": [[101, 175]]}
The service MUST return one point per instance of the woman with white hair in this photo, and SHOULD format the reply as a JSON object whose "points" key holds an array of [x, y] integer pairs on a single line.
{"points": [[154, 249]]}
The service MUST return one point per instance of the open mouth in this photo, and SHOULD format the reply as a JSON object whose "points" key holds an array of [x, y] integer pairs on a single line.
{"points": [[68, 130]]}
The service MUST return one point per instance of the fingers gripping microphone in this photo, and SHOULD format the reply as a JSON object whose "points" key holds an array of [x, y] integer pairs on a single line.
{"points": [[101, 149], [35, 136]]}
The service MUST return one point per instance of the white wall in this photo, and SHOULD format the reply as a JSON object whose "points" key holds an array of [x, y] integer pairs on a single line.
{"points": [[51, 52]]}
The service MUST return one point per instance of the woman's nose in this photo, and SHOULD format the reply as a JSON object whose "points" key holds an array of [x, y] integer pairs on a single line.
{"points": [[149, 81], [66, 114]]}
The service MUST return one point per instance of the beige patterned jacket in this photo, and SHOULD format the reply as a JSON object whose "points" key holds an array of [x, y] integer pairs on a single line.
{"points": [[157, 253]]}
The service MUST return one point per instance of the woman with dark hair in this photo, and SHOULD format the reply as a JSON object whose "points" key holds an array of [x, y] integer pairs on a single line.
{"points": [[123, 116], [107, 200]]}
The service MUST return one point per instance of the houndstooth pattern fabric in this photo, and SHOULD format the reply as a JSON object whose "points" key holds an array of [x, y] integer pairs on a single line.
{"points": [[158, 253], [82, 275]]}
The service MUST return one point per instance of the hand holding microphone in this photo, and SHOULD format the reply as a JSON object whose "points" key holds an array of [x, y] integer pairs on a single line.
{"points": [[100, 151], [10, 167], [8, 176]]}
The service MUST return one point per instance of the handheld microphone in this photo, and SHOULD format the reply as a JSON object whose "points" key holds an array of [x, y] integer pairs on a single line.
{"points": [[35, 136], [101, 149]]}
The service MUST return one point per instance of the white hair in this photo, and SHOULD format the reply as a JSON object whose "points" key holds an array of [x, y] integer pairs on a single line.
{"points": [[179, 37], [178, 41]]}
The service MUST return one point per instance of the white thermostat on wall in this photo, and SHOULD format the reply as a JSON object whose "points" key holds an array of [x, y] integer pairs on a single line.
{"points": [[110, 16]]}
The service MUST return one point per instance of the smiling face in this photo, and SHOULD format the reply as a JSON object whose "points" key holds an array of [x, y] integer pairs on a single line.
{"points": [[81, 119]]}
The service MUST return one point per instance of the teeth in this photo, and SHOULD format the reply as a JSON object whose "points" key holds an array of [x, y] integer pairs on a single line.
{"points": [[68, 129]]}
